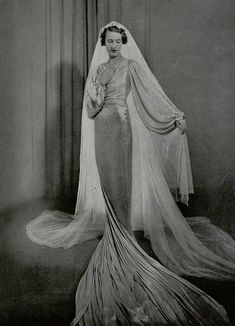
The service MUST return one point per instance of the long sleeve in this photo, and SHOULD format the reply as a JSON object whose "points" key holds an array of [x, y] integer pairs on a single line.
{"points": [[155, 109], [94, 95]]}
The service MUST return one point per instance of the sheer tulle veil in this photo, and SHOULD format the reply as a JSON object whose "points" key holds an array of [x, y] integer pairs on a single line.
{"points": [[89, 185], [161, 174]]}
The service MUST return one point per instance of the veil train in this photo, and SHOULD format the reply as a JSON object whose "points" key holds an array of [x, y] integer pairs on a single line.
{"points": [[161, 174]]}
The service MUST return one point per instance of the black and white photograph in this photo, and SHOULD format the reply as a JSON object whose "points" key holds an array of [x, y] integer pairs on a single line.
{"points": [[117, 162]]}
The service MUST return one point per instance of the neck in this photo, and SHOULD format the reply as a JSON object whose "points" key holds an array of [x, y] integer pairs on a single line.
{"points": [[113, 59]]}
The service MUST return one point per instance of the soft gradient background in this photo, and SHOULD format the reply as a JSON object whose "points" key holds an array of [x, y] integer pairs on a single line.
{"points": [[45, 50]]}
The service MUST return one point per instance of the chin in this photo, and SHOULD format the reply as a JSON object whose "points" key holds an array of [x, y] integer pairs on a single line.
{"points": [[113, 55]]}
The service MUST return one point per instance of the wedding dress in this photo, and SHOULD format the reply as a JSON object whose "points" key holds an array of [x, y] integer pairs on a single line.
{"points": [[133, 161], [160, 171]]}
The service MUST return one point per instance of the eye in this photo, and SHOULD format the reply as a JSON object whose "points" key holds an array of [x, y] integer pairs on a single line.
{"points": [[118, 41]]}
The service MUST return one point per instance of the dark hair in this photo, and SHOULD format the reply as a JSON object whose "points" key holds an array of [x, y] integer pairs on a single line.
{"points": [[113, 29]]}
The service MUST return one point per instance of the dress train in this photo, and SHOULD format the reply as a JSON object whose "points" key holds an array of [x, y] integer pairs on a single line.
{"points": [[124, 286]]}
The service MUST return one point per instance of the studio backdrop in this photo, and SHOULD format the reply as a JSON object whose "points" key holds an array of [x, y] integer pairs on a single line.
{"points": [[46, 47]]}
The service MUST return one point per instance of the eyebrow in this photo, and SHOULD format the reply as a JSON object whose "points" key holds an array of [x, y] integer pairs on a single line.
{"points": [[112, 39]]}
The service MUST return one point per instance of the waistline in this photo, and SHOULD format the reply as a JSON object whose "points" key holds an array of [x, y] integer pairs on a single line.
{"points": [[115, 102]]}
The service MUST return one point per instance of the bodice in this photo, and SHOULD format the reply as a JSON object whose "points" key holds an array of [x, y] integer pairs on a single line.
{"points": [[114, 78]]}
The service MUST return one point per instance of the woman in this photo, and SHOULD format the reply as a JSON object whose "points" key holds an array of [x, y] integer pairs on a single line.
{"points": [[127, 171]]}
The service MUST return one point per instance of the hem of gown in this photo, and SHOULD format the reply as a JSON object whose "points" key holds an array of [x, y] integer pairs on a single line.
{"points": [[124, 286]]}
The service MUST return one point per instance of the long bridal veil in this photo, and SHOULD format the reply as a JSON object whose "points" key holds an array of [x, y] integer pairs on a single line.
{"points": [[161, 174]]}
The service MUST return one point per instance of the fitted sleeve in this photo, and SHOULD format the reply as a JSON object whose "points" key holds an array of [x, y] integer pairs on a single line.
{"points": [[155, 109]]}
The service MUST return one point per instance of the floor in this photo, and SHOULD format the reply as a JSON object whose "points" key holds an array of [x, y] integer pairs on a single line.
{"points": [[38, 284]]}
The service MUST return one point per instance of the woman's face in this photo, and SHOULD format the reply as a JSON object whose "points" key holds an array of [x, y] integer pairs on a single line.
{"points": [[113, 43]]}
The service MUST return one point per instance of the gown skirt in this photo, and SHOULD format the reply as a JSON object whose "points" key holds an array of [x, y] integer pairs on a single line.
{"points": [[122, 284]]}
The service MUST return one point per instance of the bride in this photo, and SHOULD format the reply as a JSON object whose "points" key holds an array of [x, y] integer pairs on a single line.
{"points": [[134, 165]]}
